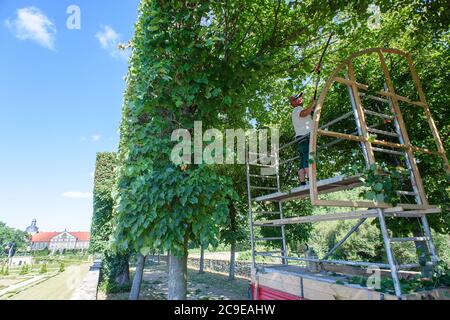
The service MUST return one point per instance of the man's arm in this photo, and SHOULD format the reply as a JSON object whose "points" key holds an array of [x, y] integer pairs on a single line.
{"points": [[309, 110]]}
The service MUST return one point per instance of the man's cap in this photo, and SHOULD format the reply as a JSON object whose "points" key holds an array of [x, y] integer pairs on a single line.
{"points": [[296, 96]]}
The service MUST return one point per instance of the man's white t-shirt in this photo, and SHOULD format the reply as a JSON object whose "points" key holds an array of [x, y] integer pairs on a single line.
{"points": [[302, 125]]}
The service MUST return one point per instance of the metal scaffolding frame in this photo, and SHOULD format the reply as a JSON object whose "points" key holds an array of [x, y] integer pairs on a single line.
{"points": [[377, 210]]}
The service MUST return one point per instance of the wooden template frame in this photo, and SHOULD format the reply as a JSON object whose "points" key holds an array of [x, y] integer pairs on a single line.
{"points": [[390, 94]]}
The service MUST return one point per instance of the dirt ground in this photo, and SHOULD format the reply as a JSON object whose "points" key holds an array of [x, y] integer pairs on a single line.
{"points": [[206, 286]]}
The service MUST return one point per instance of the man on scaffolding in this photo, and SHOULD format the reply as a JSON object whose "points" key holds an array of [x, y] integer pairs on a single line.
{"points": [[301, 121]]}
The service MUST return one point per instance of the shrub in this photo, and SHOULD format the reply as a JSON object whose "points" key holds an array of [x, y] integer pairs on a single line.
{"points": [[24, 269], [43, 268], [61, 267]]}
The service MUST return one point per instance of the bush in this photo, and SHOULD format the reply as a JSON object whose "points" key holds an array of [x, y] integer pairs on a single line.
{"points": [[43, 268], [40, 253], [61, 267], [24, 270]]}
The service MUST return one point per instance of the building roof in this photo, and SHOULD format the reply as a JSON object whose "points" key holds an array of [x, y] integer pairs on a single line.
{"points": [[47, 236], [43, 236], [81, 235]]}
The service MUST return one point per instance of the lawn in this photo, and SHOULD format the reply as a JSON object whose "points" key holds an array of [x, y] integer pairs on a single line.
{"points": [[58, 287]]}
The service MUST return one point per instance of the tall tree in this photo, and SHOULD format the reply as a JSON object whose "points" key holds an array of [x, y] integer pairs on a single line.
{"points": [[10, 235], [198, 60]]}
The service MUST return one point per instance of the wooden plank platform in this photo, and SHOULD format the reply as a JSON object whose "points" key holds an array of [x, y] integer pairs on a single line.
{"points": [[313, 286], [372, 213], [301, 282], [323, 186]]}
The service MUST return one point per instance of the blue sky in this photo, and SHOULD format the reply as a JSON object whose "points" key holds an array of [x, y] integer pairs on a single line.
{"points": [[60, 101]]}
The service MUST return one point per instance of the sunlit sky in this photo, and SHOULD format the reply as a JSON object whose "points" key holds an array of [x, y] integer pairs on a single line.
{"points": [[61, 94]]}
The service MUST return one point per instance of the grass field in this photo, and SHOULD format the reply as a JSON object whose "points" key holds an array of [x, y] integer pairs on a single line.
{"points": [[58, 287]]}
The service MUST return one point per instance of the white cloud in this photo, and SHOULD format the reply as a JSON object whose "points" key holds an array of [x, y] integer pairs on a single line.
{"points": [[77, 195], [109, 40], [96, 137], [32, 24]]}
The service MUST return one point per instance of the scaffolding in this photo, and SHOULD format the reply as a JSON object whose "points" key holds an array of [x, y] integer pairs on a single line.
{"points": [[269, 185]]}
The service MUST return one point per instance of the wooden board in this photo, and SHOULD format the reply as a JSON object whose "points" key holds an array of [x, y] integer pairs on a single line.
{"points": [[372, 213], [298, 281], [315, 286], [324, 186]]}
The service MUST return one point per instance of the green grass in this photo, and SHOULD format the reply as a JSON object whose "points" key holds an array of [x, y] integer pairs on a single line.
{"points": [[58, 287]]}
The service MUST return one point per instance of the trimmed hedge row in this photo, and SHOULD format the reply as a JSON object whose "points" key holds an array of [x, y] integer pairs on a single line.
{"points": [[115, 268]]}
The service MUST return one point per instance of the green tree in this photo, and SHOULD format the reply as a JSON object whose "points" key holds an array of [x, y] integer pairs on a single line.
{"points": [[8, 234], [199, 61]]}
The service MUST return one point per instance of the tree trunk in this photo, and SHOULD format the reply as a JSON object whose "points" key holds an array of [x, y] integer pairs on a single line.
{"points": [[123, 277], [178, 274], [202, 260], [137, 280], [233, 227], [177, 277], [115, 271], [232, 260]]}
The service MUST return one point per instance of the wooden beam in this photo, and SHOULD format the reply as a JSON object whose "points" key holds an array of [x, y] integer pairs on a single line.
{"points": [[403, 130], [361, 116], [412, 213], [401, 98], [324, 186], [340, 135], [351, 203], [350, 83], [319, 218], [431, 123]]}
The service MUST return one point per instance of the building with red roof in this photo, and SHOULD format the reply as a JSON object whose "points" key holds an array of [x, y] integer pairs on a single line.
{"points": [[53, 241]]}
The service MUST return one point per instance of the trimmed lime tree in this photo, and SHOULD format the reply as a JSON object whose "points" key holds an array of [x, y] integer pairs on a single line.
{"points": [[115, 267], [204, 61]]}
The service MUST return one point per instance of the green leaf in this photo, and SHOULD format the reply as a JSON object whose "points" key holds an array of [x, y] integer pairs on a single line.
{"points": [[378, 187]]}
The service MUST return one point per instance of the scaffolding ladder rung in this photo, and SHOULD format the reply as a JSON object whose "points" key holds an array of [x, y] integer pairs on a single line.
{"points": [[377, 114], [289, 160], [263, 188], [264, 224], [388, 151], [386, 133], [406, 239], [342, 117], [262, 176], [268, 239], [407, 193], [343, 262], [260, 164], [362, 94], [267, 212], [267, 252]]}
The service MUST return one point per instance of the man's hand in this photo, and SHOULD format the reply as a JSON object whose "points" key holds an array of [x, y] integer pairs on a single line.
{"points": [[308, 111]]}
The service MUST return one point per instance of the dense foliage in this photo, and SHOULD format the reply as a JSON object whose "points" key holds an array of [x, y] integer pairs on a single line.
{"points": [[233, 64], [199, 61], [114, 265], [8, 235]]}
